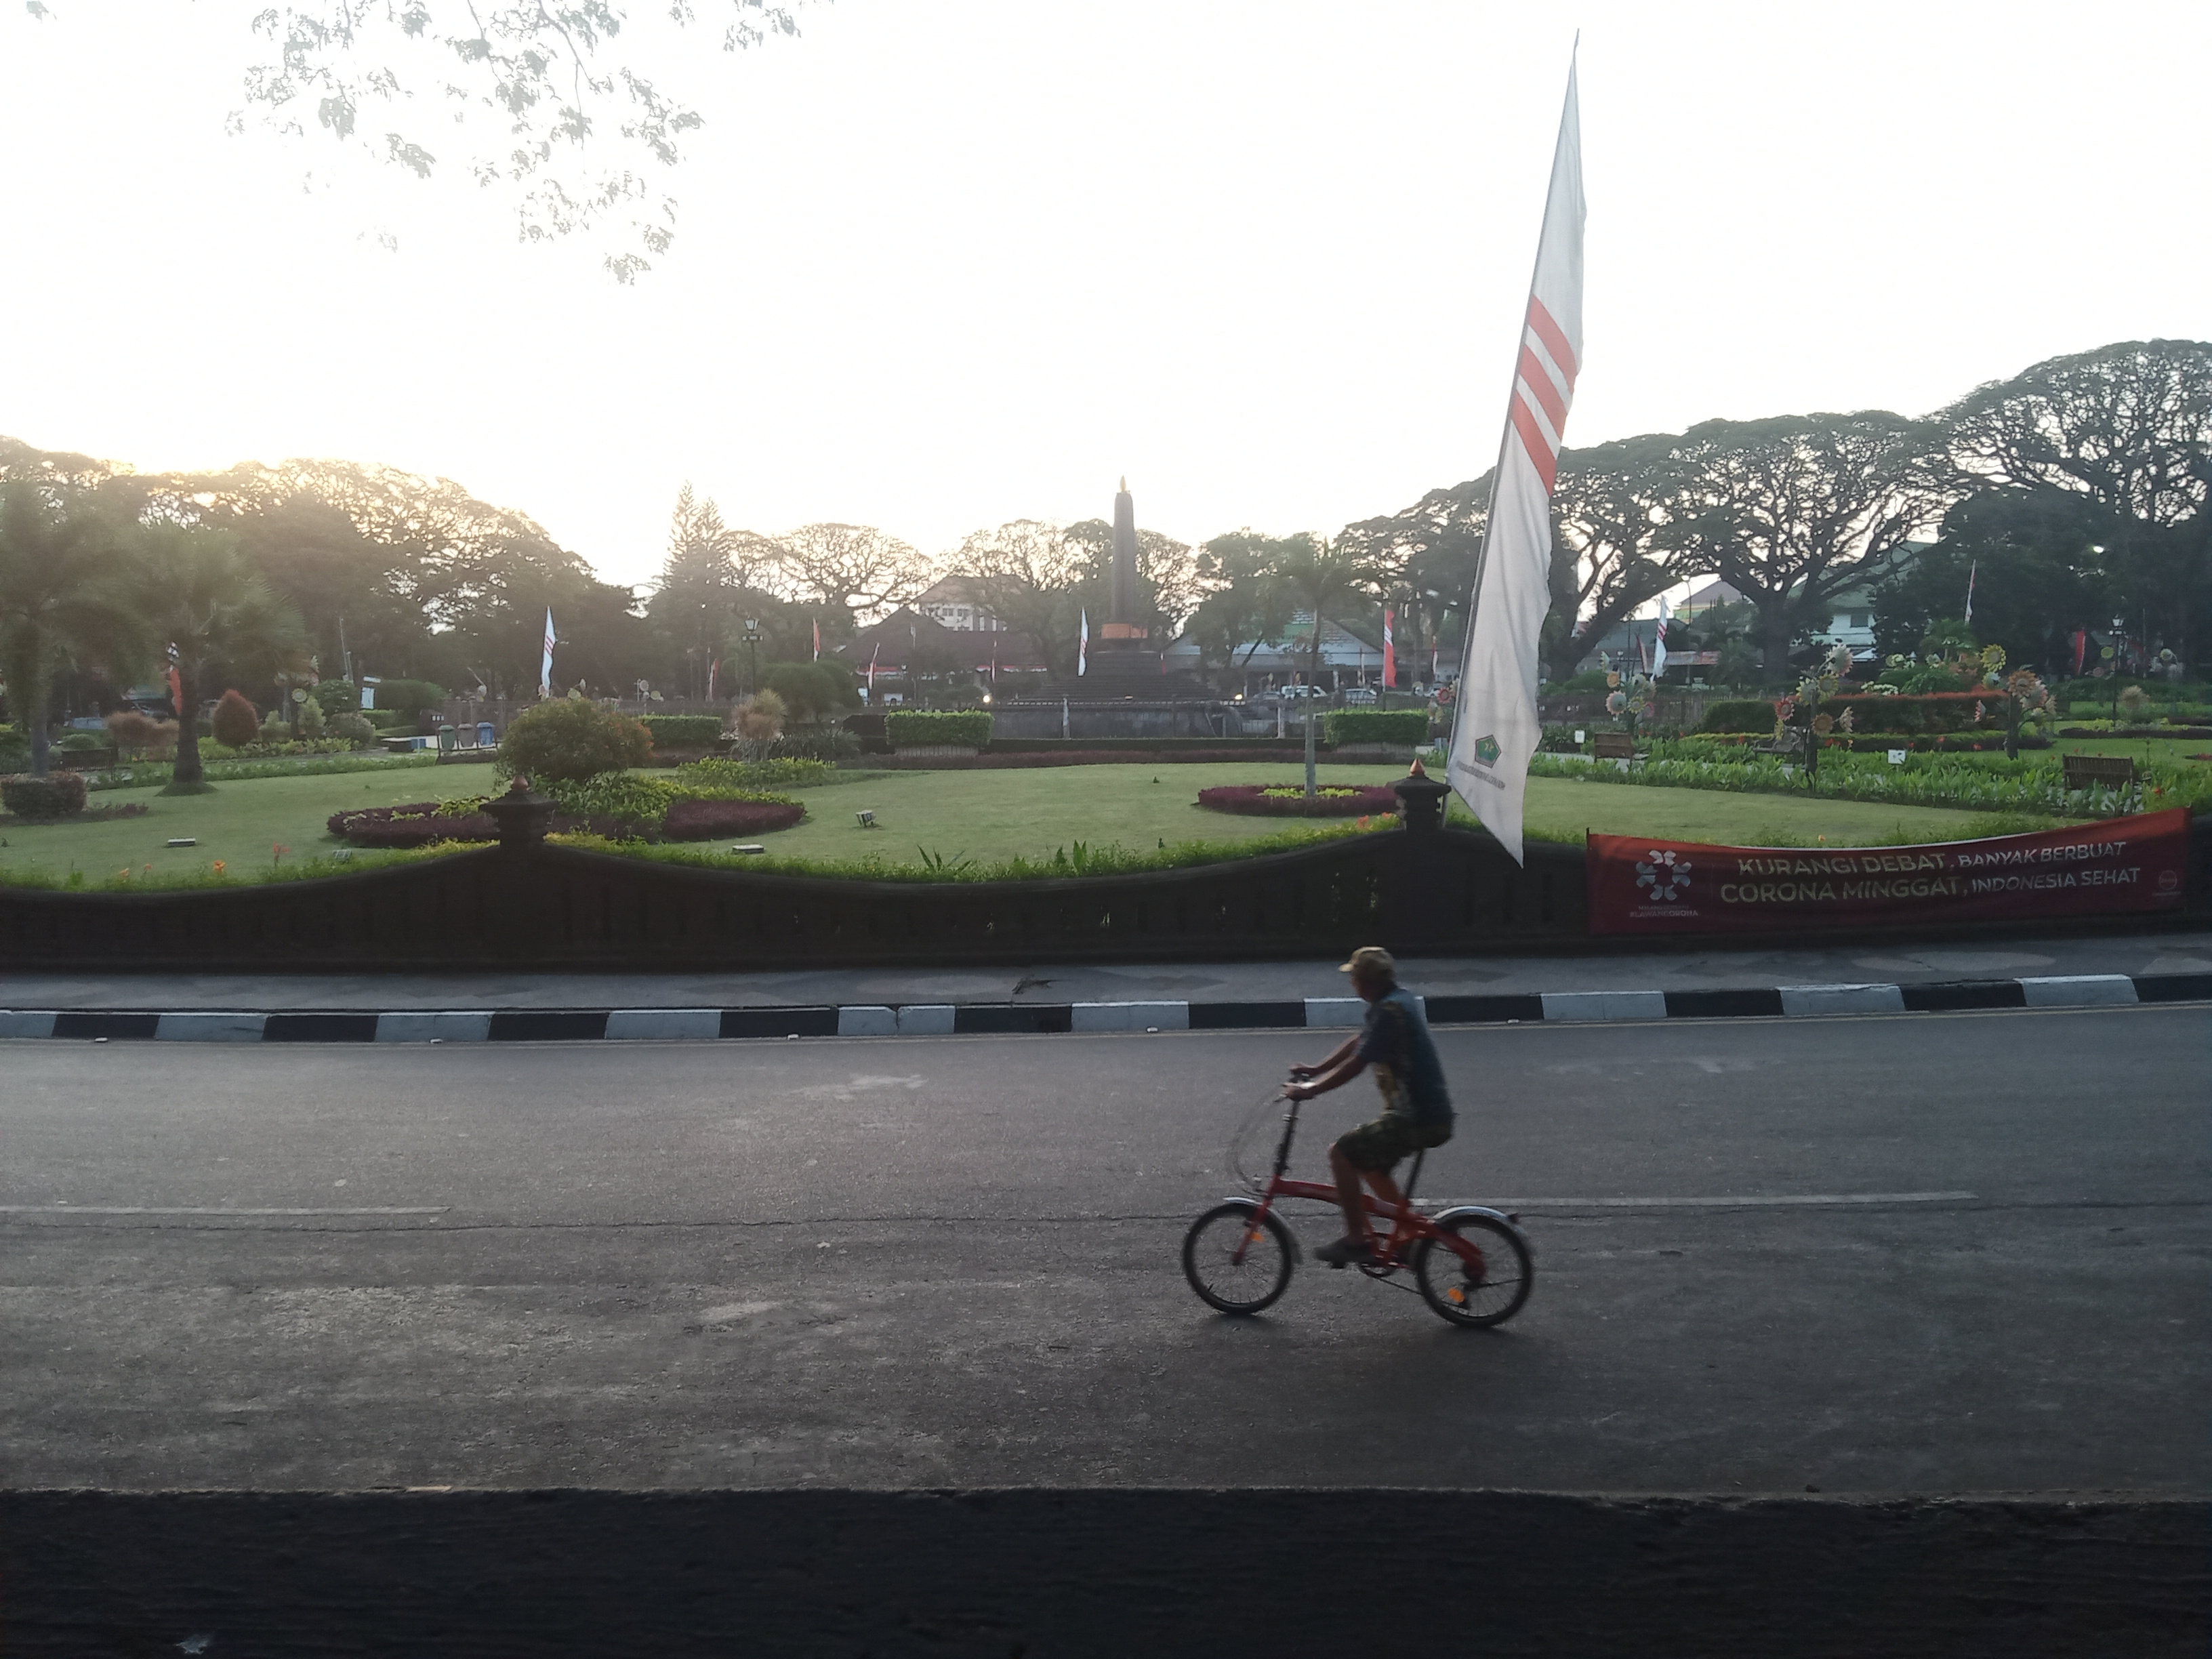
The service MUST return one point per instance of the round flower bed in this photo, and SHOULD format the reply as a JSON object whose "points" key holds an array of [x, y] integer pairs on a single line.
{"points": [[1290, 800], [422, 823]]}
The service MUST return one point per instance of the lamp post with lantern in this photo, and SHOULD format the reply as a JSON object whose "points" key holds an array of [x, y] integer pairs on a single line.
{"points": [[752, 648]]}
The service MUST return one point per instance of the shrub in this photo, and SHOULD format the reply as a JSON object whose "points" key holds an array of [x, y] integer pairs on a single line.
{"points": [[234, 724], [918, 729], [352, 728], [274, 730], [1402, 726], [777, 773], [708, 820], [80, 743], [808, 689], [760, 718], [572, 739], [53, 797], [1290, 800], [15, 752], [336, 697], [310, 718], [134, 733], [683, 731], [389, 720]]}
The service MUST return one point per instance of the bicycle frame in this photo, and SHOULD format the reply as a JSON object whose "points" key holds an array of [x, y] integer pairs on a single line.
{"points": [[1408, 1226]]}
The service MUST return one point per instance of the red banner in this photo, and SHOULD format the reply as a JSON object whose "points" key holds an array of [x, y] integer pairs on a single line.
{"points": [[1638, 885]]}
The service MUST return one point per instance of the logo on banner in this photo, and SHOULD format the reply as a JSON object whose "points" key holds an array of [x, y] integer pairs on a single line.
{"points": [[1666, 876], [1487, 749]]}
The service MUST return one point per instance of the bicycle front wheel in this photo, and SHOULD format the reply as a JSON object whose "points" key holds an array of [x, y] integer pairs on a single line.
{"points": [[1237, 1260], [1465, 1293]]}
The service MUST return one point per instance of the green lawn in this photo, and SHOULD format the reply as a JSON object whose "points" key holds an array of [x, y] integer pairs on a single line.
{"points": [[987, 815], [237, 823]]}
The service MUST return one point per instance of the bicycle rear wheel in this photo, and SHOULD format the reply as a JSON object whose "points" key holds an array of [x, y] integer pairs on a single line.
{"points": [[1238, 1261], [1460, 1292]]}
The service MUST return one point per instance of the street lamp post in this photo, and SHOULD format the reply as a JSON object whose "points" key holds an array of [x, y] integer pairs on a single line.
{"points": [[752, 647]]}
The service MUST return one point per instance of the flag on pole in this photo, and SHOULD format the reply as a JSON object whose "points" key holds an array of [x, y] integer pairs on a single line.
{"points": [[177, 686], [1083, 645], [1390, 653], [545, 670], [1659, 651], [872, 655], [1497, 725], [817, 639], [1971, 569]]}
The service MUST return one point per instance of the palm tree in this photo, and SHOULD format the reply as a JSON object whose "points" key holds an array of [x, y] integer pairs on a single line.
{"points": [[1324, 574], [64, 598], [205, 602]]}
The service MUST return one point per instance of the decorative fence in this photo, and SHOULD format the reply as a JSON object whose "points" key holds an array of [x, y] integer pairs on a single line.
{"points": [[529, 904]]}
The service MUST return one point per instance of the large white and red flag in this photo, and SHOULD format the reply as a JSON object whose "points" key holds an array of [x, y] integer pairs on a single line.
{"points": [[1497, 725], [1390, 653], [545, 671]]}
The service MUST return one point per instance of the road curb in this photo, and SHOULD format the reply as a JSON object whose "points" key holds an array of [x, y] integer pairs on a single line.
{"points": [[972, 1019]]}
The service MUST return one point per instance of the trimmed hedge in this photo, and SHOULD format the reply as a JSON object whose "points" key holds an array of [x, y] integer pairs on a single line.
{"points": [[916, 728], [1738, 715], [409, 696], [55, 796], [709, 820], [1335, 800], [683, 731], [1407, 727], [1263, 748]]}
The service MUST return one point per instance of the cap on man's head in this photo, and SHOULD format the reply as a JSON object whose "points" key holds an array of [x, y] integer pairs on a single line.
{"points": [[1371, 962]]}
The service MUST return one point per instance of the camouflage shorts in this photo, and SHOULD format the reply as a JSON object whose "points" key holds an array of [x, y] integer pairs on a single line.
{"points": [[1379, 1145]]}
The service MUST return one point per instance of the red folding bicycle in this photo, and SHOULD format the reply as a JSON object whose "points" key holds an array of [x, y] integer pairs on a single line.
{"points": [[1470, 1264]]}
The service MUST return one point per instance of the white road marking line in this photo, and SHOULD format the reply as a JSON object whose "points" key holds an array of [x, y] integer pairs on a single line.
{"points": [[188, 1209], [1702, 1203]]}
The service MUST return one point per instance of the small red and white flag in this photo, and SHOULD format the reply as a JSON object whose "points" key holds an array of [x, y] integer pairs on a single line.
{"points": [[713, 668], [817, 639], [1497, 725], [1659, 651], [1971, 569], [545, 670], [1082, 644], [872, 655], [1390, 653]]}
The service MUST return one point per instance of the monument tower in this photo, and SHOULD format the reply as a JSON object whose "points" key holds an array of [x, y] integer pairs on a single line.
{"points": [[1122, 631]]}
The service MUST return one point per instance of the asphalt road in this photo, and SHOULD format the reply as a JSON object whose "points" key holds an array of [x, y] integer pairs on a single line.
{"points": [[950, 1261]]}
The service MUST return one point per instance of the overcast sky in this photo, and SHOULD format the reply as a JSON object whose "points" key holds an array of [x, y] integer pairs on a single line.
{"points": [[941, 265]]}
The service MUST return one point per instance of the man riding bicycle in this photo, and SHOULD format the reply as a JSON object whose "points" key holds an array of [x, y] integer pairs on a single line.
{"points": [[1416, 1112]]}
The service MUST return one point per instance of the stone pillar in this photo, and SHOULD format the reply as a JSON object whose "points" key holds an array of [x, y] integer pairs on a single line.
{"points": [[523, 816], [1421, 801]]}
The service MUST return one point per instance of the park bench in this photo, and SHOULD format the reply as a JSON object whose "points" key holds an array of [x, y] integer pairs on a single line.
{"points": [[2113, 772], [1616, 746], [1792, 742]]}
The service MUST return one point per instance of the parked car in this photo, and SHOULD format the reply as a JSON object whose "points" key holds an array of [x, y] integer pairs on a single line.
{"points": [[1357, 695]]}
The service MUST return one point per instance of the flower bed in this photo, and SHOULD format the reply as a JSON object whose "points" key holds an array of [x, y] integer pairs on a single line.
{"points": [[1290, 800], [707, 820], [422, 824]]}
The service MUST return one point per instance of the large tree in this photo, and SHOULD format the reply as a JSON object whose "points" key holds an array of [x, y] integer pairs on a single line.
{"points": [[849, 567], [1793, 510], [2035, 559], [1026, 573], [66, 597], [1246, 604], [217, 617], [2126, 429]]}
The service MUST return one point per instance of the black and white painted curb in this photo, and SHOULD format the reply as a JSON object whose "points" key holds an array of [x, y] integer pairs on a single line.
{"points": [[967, 1018]]}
